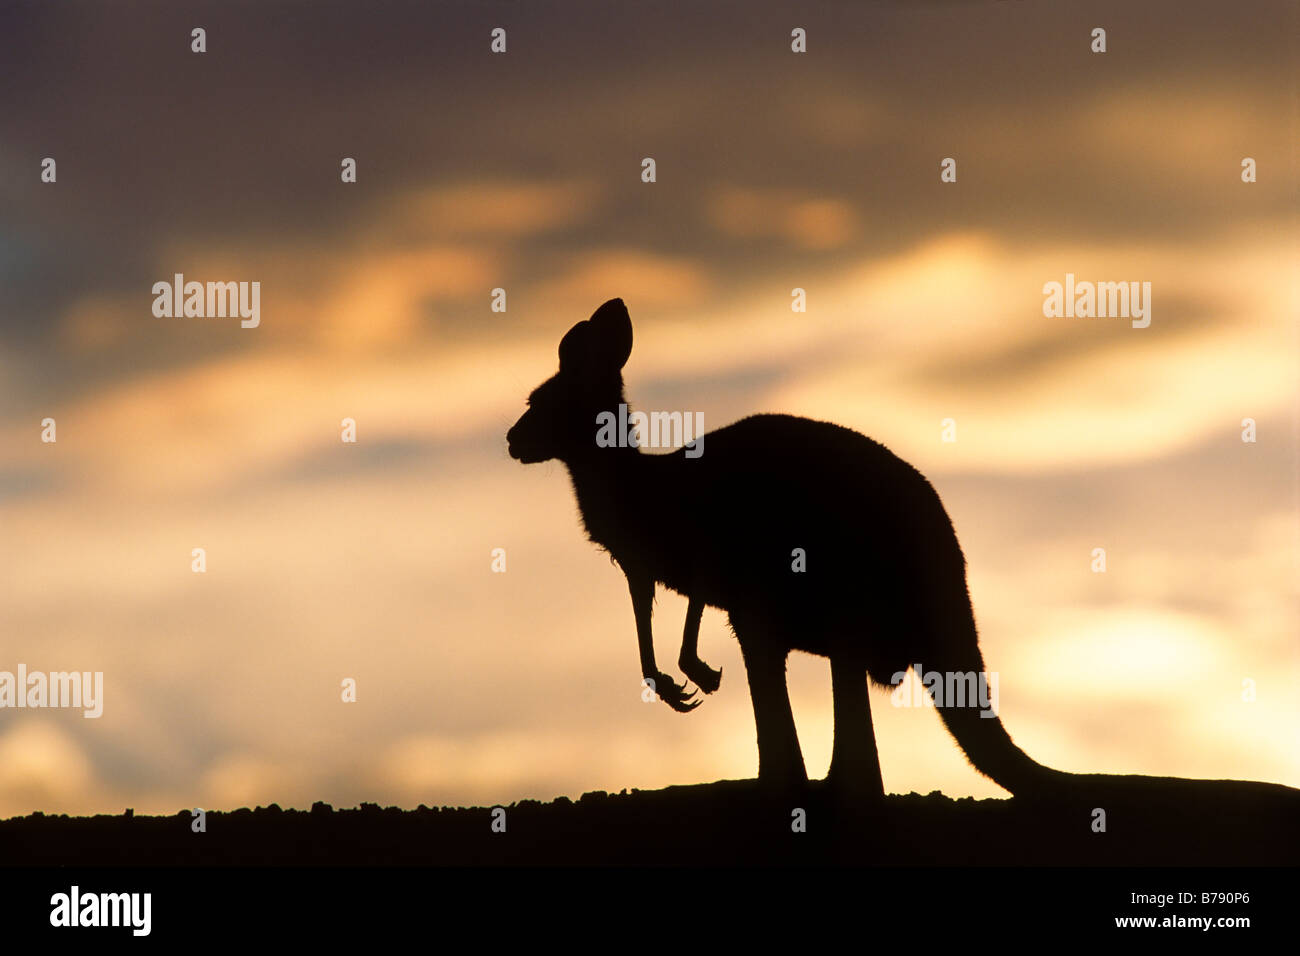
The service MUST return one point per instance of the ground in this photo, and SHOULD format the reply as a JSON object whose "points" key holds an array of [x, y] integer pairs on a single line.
{"points": [[723, 823]]}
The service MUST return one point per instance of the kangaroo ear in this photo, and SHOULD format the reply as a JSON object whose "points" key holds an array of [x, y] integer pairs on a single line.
{"points": [[611, 328], [603, 342]]}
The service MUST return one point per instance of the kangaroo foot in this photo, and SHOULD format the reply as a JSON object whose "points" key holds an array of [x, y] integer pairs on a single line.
{"points": [[672, 693], [857, 779], [705, 677], [782, 773]]}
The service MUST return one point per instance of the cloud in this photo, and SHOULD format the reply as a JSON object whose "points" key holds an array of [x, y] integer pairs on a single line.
{"points": [[808, 221], [248, 779], [650, 280], [506, 209], [42, 767]]}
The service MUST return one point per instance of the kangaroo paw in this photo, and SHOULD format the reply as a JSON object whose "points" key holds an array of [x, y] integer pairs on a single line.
{"points": [[674, 694], [704, 676]]}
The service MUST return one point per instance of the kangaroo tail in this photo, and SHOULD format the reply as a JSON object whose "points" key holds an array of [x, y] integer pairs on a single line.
{"points": [[992, 752], [963, 694], [948, 637]]}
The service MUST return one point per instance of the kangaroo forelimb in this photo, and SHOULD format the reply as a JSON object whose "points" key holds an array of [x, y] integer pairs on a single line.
{"points": [[689, 660], [642, 588]]}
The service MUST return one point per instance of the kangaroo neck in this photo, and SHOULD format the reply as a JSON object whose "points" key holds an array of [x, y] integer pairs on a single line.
{"points": [[606, 482], [604, 469]]}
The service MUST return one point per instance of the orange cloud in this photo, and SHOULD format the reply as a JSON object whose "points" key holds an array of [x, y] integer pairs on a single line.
{"points": [[809, 222], [649, 280], [506, 209]]}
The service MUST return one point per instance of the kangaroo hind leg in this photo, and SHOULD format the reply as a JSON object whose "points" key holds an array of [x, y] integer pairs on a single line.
{"points": [[780, 761], [855, 761]]}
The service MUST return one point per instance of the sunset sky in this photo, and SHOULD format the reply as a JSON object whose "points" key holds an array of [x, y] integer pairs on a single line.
{"points": [[522, 170]]}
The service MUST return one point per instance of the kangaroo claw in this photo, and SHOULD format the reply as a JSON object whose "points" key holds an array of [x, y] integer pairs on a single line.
{"points": [[674, 694], [705, 676]]}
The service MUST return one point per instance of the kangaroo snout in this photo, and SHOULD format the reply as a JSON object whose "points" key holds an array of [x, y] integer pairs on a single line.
{"points": [[520, 445], [512, 443]]}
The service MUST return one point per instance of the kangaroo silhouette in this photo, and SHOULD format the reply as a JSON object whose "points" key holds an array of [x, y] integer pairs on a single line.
{"points": [[810, 536]]}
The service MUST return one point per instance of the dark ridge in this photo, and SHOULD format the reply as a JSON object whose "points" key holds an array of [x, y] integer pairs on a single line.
{"points": [[1204, 823]]}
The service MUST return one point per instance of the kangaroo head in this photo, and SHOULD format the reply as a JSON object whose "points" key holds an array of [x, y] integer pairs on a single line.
{"points": [[561, 417]]}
